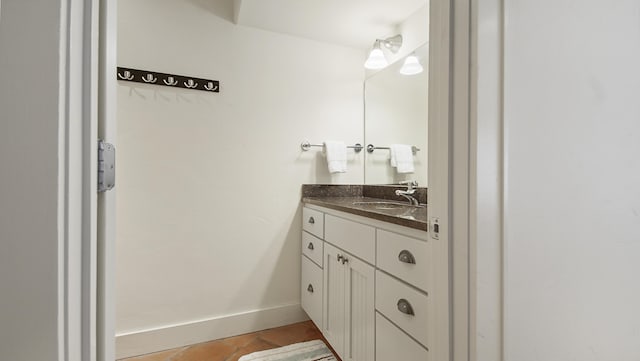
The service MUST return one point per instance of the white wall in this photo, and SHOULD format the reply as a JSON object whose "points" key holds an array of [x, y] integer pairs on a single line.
{"points": [[415, 33], [209, 184], [30, 251], [571, 172]]}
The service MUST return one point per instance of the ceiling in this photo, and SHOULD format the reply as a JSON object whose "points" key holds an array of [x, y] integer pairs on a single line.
{"points": [[353, 23]]}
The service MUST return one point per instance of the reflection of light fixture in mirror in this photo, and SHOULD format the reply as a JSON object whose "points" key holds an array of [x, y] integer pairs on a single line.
{"points": [[411, 66], [376, 59]]}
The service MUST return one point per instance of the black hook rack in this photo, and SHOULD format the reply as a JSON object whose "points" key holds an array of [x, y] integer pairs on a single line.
{"points": [[168, 80]]}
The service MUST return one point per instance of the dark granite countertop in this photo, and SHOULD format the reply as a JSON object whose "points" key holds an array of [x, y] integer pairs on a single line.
{"points": [[415, 217]]}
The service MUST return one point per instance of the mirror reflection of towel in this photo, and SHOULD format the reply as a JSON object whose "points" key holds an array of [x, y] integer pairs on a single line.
{"points": [[402, 158], [336, 153]]}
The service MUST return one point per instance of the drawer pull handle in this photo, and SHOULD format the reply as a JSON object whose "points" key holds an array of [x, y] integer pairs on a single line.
{"points": [[311, 220], [310, 246], [405, 307], [345, 260], [406, 257], [310, 288], [340, 258]]}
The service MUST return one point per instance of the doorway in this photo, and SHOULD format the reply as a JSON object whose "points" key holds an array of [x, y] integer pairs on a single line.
{"points": [[447, 200]]}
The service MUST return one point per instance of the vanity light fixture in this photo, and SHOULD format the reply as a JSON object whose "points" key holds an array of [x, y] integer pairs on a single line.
{"points": [[411, 66], [376, 59]]}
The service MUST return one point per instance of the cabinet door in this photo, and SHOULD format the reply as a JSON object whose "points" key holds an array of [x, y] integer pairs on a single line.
{"points": [[334, 298], [359, 311]]}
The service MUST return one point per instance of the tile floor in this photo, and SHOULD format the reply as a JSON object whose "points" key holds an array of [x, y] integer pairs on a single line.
{"points": [[232, 348]]}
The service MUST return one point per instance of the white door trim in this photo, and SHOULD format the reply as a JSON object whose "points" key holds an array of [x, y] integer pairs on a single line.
{"points": [[438, 157], [78, 82], [106, 213], [449, 159], [460, 168], [84, 334]]}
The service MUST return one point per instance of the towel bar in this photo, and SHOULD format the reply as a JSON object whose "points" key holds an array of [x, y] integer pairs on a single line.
{"points": [[306, 146], [371, 148]]}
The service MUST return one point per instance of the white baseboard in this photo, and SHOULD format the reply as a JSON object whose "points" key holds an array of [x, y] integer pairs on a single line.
{"points": [[172, 336]]}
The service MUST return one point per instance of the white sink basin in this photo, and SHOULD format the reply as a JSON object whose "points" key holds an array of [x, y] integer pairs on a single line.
{"points": [[390, 205]]}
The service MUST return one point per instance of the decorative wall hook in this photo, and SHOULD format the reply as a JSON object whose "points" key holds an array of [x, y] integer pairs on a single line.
{"points": [[149, 78], [127, 75], [210, 86], [190, 84], [172, 80]]}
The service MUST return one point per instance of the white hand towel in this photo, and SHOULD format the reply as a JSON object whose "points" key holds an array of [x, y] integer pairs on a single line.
{"points": [[402, 158], [336, 153]]}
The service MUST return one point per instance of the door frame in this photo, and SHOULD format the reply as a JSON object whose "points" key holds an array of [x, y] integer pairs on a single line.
{"points": [[450, 161], [106, 211], [78, 84], [87, 91]]}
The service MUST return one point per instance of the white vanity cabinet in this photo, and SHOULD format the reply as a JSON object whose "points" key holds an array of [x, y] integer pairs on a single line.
{"points": [[384, 287]]}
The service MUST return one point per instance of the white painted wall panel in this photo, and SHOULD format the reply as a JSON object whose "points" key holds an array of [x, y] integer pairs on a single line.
{"points": [[572, 240]]}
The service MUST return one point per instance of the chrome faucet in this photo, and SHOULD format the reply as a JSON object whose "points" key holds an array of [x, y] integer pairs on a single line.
{"points": [[408, 194]]}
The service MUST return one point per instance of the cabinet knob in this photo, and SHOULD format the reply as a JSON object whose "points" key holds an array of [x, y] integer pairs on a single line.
{"points": [[310, 246], [406, 257], [345, 260], [311, 220], [405, 307], [310, 288], [340, 258]]}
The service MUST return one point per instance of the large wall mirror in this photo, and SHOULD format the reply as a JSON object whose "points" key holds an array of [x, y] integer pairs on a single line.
{"points": [[396, 111]]}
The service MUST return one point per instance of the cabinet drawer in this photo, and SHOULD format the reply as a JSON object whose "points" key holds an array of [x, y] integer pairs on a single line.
{"points": [[311, 289], [393, 344], [312, 247], [392, 296], [406, 258], [355, 238], [313, 222]]}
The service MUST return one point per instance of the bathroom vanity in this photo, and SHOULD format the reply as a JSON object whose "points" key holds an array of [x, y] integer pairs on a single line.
{"points": [[373, 280]]}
